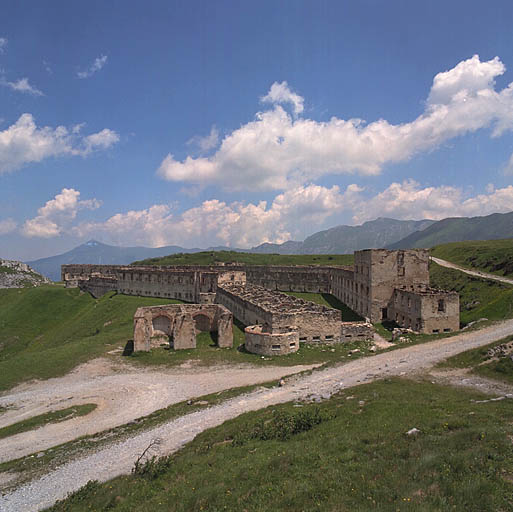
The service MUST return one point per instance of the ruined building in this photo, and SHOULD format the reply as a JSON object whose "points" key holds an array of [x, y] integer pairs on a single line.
{"points": [[382, 285]]}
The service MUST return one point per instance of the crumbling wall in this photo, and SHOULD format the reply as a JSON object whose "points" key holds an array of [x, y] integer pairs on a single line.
{"points": [[427, 311], [356, 331], [176, 323], [264, 343]]}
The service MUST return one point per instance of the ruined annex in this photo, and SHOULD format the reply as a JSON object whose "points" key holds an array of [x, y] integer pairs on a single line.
{"points": [[382, 285]]}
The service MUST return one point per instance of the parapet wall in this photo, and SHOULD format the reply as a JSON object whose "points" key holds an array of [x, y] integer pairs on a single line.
{"points": [[271, 344]]}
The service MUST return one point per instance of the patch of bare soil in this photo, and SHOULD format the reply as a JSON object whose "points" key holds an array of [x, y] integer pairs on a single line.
{"points": [[122, 393], [462, 377]]}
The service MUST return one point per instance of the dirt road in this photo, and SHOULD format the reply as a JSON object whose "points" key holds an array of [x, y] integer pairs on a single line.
{"points": [[119, 458], [122, 393], [476, 273]]}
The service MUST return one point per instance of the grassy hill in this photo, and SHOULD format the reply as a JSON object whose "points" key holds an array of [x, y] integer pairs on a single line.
{"points": [[215, 257], [479, 298], [456, 229], [47, 331], [494, 256], [349, 453]]}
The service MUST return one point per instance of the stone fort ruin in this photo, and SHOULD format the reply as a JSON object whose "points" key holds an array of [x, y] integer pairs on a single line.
{"points": [[381, 285]]}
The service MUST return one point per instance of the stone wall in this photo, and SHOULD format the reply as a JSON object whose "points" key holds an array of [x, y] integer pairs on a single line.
{"points": [[178, 325], [367, 288], [257, 341], [427, 311], [277, 312], [356, 331]]}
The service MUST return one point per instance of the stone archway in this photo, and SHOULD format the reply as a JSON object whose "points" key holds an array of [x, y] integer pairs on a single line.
{"points": [[161, 325], [162, 328], [202, 322]]}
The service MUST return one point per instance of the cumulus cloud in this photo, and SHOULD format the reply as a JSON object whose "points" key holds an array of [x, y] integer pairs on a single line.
{"points": [[293, 214], [7, 226], [277, 151], [24, 142], [280, 93], [57, 214], [21, 85], [206, 143], [3, 44], [215, 222], [409, 200], [96, 66]]}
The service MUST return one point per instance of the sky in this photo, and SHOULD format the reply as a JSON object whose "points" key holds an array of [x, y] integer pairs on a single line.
{"points": [[228, 123]]}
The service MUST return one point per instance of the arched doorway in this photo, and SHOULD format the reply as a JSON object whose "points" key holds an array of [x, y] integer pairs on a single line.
{"points": [[202, 322]]}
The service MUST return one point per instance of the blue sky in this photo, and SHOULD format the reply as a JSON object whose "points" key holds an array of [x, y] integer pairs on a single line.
{"points": [[200, 123]]}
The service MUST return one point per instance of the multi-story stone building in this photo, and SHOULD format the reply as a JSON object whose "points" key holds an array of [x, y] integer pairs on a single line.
{"points": [[381, 285]]}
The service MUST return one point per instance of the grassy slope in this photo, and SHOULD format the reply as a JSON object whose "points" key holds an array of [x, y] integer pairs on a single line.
{"points": [[212, 258], [479, 298], [501, 369], [358, 460], [495, 256], [47, 331]]}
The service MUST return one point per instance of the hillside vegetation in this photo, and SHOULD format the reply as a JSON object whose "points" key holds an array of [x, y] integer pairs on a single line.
{"points": [[494, 256], [349, 453], [456, 229], [47, 331], [479, 298], [216, 257]]}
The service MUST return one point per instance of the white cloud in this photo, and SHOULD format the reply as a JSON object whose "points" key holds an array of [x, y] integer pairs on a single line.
{"points": [[276, 151], [408, 200], [206, 143], [96, 66], [21, 85], [293, 214], [24, 142], [280, 93], [57, 214], [3, 44], [7, 226]]}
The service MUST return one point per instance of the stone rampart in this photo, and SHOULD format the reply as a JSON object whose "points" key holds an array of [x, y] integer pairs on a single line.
{"points": [[257, 341]]}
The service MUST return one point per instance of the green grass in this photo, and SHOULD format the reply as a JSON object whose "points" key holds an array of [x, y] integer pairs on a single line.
{"points": [[207, 353], [356, 458], [215, 257], [502, 369], [7, 270], [30, 467], [326, 299], [44, 419], [48, 330], [479, 298], [494, 256]]}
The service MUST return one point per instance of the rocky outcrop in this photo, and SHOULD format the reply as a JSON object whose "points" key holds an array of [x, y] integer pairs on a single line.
{"points": [[15, 274]]}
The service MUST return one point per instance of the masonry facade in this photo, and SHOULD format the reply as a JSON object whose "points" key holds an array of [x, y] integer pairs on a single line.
{"points": [[381, 285]]}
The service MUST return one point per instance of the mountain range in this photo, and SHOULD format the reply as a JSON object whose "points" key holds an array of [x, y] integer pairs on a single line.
{"points": [[379, 233]]}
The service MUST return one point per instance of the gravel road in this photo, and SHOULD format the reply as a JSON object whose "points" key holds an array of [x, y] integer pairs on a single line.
{"points": [[122, 392], [476, 273], [119, 458]]}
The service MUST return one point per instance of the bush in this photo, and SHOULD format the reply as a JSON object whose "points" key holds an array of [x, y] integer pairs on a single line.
{"points": [[283, 425]]}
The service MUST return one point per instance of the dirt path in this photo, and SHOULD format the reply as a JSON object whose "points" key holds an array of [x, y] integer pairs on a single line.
{"points": [[122, 393], [119, 458], [476, 273]]}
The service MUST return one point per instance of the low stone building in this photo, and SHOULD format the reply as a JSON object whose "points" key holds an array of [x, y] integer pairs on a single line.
{"points": [[425, 310], [178, 325]]}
